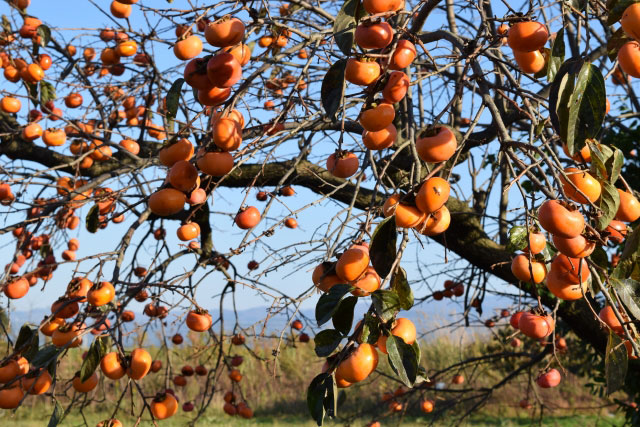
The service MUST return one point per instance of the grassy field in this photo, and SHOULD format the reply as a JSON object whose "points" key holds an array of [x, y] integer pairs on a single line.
{"points": [[277, 392]]}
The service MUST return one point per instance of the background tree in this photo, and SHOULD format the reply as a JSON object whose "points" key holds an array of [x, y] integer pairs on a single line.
{"points": [[478, 125]]}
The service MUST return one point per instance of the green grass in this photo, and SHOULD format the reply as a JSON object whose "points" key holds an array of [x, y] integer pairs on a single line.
{"points": [[478, 420]]}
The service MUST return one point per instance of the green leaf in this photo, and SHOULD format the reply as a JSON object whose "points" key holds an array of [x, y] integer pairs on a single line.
{"points": [[331, 91], [327, 341], [403, 360], [330, 402], [344, 26], [47, 92], [328, 303], [67, 70], [45, 33], [559, 95], [609, 202], [316, 393], [343, 317], [25, 337], [400, 285], [57, 416], [93, 219], [45, 356], [600, 156], [556, 56], [623, 270], [587, 107], [629, 293], [615, 363], [416, 350], [614, 165], [615, 42], [631, 245], [517, 238], [386, 304], [99, 347], [370, 329], [383, 246], [173, 99], [616, 11]]}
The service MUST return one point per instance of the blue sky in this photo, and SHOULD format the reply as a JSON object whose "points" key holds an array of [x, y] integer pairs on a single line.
{"points": [[78, 19]]}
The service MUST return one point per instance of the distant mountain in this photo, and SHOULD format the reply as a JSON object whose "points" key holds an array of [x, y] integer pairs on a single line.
{"points": [[429, 319]]}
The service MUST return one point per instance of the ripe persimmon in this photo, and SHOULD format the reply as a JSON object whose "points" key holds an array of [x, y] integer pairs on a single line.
{"points": [[195, 74], [403, 55], [537, 243], [381, 139], [224, 70], [564, 289], [11, 397], [396, 87], [16, 289], [101, 293], [530, 62], [130, 146], [608, 316], [560, 219], [576, 247], [570, 270], [438, 145], [378, 117], [433, 194], [342, 164], [435, 223], [120, 10], [549, 379], [381, 6], [54, 137], [359, 365], [139, 364], [215, 163], [214, 96], [199, 321], [164, 405], [188, 48], [324, 280], [224, 32], [86, 386], [629, 58], [369, 282], [9, 104], [188, 231], [629, 208], [183, 176], [226, 133], [376, 35], [536, 326], [67, 335], [528, 271], [527, 36], [403, 328], [37, 382], [407, 216], [112, 366], [353, 263], [362, 72], [630, 21], [167, 201], [241, 52], [180, 150], [248, 218], [584, 182]]}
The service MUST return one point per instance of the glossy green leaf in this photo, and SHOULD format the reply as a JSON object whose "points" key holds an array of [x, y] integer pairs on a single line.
{"points": [[92, 221], [97, 351], [24, 338], [615, 363], [173, 99], [45, 356], [614, 165], [559, 95], [517, 238], [316, 393], [609, 202], [400, 285], [386, 304], [556, 56], [403, 360], [328, 302], [343, 316], [615, 42], [327, 341], [47, 92], [45, 35], [383, 246], [331, 91], [57, 415], [587, 107], [344, 26], [629, 292], [617, 9], [631, 245], [370, 329]]}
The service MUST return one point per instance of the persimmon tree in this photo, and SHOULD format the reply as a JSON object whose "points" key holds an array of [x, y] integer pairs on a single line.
{"points": [[490, 128]]}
